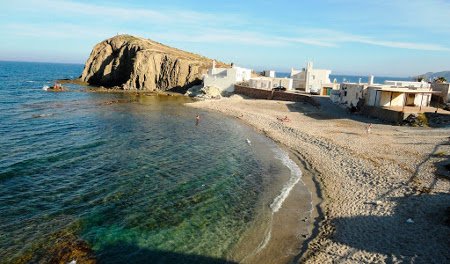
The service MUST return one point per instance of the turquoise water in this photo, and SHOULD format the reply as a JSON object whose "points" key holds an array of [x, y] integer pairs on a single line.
{"points": [[133, 177]]}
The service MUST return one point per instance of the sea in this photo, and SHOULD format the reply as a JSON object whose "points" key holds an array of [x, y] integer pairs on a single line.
{"points": [[127, 178]]}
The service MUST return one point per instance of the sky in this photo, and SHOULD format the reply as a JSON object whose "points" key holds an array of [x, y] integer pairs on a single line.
{"points": [[382, 37]]}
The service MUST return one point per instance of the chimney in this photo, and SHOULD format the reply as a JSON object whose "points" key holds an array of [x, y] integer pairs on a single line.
{"points": [[370, 79]]}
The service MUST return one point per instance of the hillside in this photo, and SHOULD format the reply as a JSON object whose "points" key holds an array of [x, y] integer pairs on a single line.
{"points": [[134, 63], [432, 75]]}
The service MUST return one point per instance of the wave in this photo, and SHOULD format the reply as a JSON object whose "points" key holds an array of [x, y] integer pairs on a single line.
{"points": [[295, 177], [277, 203], [45, 87]]}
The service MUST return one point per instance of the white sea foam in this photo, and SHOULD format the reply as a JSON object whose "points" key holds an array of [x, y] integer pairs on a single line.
{"points": [[45, 87], [295, 177], [277, 203]]}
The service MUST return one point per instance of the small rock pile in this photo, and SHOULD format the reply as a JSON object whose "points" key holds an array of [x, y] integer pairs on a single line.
{"points": [[415, 120], [208, 92]]}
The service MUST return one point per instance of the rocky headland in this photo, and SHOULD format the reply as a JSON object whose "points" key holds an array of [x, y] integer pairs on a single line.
{"points": [[133, 63]]}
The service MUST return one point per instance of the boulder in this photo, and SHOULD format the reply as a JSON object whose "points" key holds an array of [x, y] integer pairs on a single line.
{"points": [[207, 92]]}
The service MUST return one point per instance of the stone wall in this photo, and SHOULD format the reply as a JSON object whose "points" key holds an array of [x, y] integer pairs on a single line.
{"points": [[274, 95]]}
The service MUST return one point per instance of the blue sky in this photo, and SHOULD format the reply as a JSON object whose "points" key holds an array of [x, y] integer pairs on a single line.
{"points": [[393, 38]]}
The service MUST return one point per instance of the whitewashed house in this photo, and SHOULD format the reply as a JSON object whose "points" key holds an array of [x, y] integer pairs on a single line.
{"points": [[269, 73], [394, 96], [225, 78], [309, 79]]}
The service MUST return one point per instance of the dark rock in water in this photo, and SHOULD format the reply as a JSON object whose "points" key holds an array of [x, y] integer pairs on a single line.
{"points": [[62, 248], [134, 63]]}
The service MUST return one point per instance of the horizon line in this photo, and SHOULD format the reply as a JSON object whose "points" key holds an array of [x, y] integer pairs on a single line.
{"points": [[257, 70]]}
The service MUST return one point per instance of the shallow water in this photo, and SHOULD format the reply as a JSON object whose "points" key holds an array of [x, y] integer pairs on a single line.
{"points": [[132, 176]]}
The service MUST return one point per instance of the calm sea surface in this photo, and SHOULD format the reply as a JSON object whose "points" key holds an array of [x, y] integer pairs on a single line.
{"points": [[133, 177]]}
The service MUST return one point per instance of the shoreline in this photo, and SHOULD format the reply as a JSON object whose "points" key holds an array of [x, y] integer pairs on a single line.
{"points": [[365, 184], [309, 181]]}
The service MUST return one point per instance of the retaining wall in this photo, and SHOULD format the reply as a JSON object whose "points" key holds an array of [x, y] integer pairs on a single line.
{"points": [[274, 95], [383, 114]]}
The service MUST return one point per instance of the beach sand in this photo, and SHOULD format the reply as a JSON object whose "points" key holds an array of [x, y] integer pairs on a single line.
{"points": [[382, 199]]}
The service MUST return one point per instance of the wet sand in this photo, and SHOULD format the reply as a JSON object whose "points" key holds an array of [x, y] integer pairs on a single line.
{"points": [[383, 201]]}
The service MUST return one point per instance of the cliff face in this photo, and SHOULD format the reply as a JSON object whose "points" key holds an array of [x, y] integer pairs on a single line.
{"points": [[134, 63]]}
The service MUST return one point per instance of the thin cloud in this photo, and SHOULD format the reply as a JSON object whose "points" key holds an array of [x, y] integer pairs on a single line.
{"points": [[193, 26], [119, 13]]}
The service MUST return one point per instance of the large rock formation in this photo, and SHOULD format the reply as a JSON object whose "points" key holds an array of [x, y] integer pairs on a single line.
{"points": [[133, 63]]}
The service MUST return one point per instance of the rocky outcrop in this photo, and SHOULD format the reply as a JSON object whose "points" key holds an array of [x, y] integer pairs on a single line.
{"points": [[133, 63], [207, 92]]}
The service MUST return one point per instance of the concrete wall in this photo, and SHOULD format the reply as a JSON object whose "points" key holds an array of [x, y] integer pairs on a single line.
{"points": [[383, 114], [422, 99], [407, 84], [384, 98], [444, 88], [274, 95], [270, 83]]}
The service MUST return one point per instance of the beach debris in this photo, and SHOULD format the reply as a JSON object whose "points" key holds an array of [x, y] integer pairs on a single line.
{"points": [[376, 202], [248, 141], [283, 119], [410, 221]]}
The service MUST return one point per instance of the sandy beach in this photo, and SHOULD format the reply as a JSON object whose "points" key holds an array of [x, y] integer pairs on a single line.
{"points": [[379, 198]]}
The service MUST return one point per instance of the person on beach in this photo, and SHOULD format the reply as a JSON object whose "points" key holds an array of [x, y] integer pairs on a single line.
{"points": [[197, 119], [369, 126]]}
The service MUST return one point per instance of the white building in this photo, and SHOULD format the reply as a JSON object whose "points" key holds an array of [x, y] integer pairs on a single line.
{"points": [[393, 96], [269, 74], [310, 79], [389, 94], [351, 94], [225, 78], [269, 83]]}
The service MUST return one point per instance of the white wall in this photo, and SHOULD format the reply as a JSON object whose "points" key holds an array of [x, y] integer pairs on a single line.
{"points": [[269, 83], [350, 93], [225, 78], [310, 78], [269, 74], [407, 84]]}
